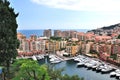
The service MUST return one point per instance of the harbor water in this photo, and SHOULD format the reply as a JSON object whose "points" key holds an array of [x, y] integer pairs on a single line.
{"points": [[72, 69]]}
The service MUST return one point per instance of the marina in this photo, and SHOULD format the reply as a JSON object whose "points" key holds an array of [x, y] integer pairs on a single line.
{"points": [[71, 68], [80, 62]]}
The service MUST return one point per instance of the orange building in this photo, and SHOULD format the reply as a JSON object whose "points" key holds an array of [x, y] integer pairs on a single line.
{"points": [[74, 50]]}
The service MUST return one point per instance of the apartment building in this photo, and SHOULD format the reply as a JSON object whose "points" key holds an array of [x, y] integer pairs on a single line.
{"points": [[57, 33], [47, 33]]}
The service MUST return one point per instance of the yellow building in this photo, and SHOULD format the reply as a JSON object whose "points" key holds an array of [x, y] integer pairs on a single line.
{"points": [[74, 50], [49, 46], [57, 45]]}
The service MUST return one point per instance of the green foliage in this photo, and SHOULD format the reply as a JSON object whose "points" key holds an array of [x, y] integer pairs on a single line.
{"points": [[8, 34], [118, 37], [113, 56], [74, 77], [29, 70], [25, 69], [56, 38], [56, 74]]}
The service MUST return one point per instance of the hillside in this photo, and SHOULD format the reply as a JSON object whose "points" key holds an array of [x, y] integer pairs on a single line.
{"points": [[107, 30], [111, 27]]}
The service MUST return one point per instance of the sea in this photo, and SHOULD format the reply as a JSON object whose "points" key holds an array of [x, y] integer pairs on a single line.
{"points": [[39, 32]]}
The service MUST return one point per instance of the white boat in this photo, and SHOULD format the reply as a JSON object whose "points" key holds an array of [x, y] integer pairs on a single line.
{"points": [[117, 75], [53, 59], [39, 56], [80, 64], [56, 61], [95, 66], [118, 70], [51, 56], [90, 65], [99, 68], [34, 58], [77, 59], [105, 70], [113, 74]]}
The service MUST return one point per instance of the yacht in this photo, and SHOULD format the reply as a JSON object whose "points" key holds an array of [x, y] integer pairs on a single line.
{"points": [[80, 64], [34, 58], [57, 61], [113, 74]]}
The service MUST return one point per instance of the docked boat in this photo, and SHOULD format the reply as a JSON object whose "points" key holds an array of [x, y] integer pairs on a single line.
{"points": [[98, 69], [77, 59], [40, 57], [53, 59], [89, 65], [94, 67], [113, 74], [117, 75], [105, 70], [34, 58], [80, 64], [58, 61], [51, 56]]}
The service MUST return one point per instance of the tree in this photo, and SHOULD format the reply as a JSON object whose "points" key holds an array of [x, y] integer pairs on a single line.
{"points": [[114, 56], [56, 74], [74, 77], [118, 37], [25, 69], [8, 34], [56, 38]]}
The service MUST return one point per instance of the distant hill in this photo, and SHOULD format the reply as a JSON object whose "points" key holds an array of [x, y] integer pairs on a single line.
{"points": [[111, 26], [107, 29]]}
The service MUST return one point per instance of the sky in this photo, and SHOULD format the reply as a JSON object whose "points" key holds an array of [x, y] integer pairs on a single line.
{"points": [[66, 14]]}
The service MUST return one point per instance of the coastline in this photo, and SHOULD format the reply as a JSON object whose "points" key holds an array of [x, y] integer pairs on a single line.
{"points": [[63, 58]]}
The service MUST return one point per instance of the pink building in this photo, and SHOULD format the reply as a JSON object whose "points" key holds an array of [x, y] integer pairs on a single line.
{"points": [[81, 36], [115, 49], [102, 38], [89, 36]]}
